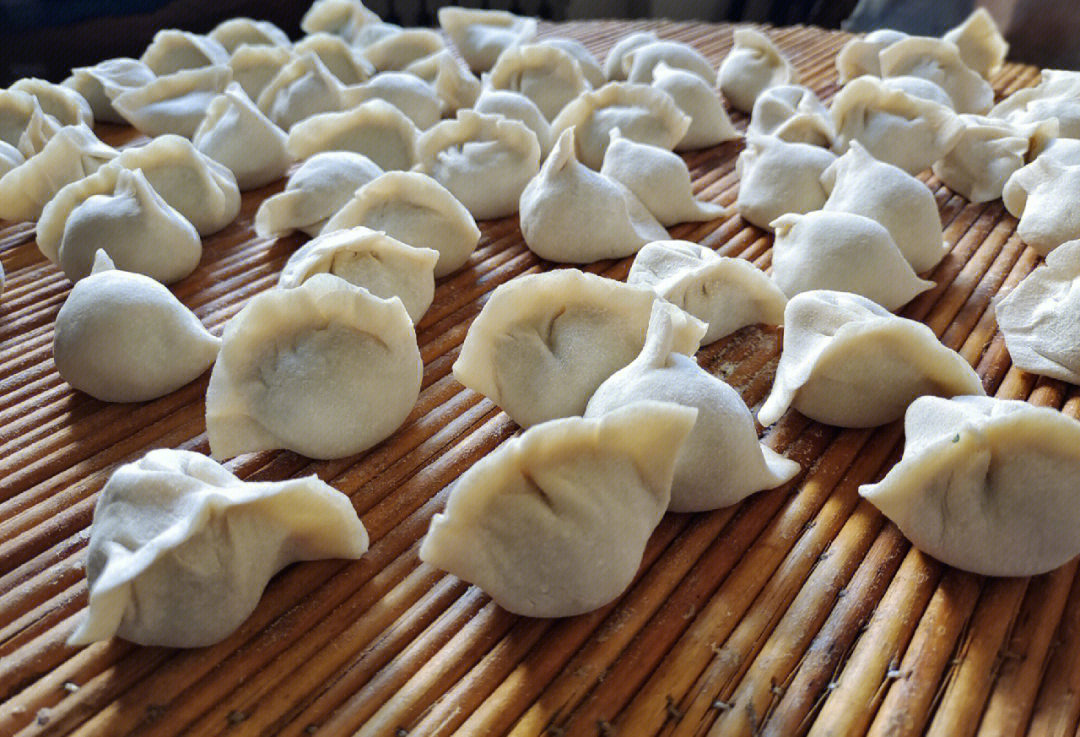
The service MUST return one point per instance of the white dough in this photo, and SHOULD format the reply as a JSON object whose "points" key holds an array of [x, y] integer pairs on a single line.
{"points": [[1044, 196], [340, 59], [545, 74], [939, 62], [235, 32], [407, 92], [304, 87], [63, 103], [254, 66], [481, 35], [15, 111], [173, 103], [613, 62], [451, 80], [396, 51], [173, 51], [376, 129], [39, 129], [921, 88], [345, 18], [709, 122], [237, 135], [590, 67], [752, 66], [859, 56], [792, 113], [981, 44], [777, 177], [103, 81], [640, 62], [515, 106], [1056, 96]]}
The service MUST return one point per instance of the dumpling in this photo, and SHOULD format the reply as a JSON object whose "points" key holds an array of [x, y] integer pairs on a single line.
{"points": [[326, 370], [396, 51], [1056, 96], [643, 114], [1043, 195], [981, 44], [921, 88], [1065, 150], [753, 65], [123, 337], [39, 129], [614, 69], [515, 106], [63, 103], [314, 192], [384, 266], [407, 92], [590, 67], [1040, 318], [721, 461], [777, 177], [343, 18], [481, 35], [455, 85], [543, 343], [709, 122], [414, 209], [566, 194], [989, 151], [254, 66], [342, 60], [859, 183], [484, 160], [204, 191], [71, 154], [725, 293], [304, 87], [939, 61], [369, 33], [100, 83], [554, 522], [848, 362], [237, 135], [859, 56], [842, 251], [659, 178], [181, 550], [639, 62], [174, 103], [9, 158], [547, 75], [986, 485], [792, 113], [172, 51], [235, 32], [894, 127], [376, 129], [15, 111]]}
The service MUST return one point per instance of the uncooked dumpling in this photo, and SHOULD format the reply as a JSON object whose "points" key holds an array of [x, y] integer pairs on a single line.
{"points": [[1040, 318], [1043, 195], [639, 62], [63, 103], [407, 92], [123, 337], [543, 343], [515, 106], [659, 178], [173, 51], [415, 209], [859, 183], [566, 194], [725, 293], [254, 66], [987, 485], [100, 83], [590, 67], [554, 522], [15, 111], [845, 252], [481, 35], [235, 32], [981, 44], [547, 75], [709, 122], [342, 60], [345, 18], [721, 461], [484, 160], [393, 52], [921, 88], [314, 192], [859, 56], [752, 66], [9, 158], [236, 134], [1056, 96], [39, 129], [848, 362], [173, 103], [451, 80], [376, 129], [613, 62], [384, 266], [304, 87], [939, 62], [326, 370], [777, 177], [181, 550], [792, 113]]}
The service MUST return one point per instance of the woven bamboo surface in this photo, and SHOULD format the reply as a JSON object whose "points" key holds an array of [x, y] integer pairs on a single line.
{"points": [[798, 611]]}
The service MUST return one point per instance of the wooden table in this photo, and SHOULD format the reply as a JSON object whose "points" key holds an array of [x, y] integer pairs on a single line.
{"points": [[798, 610]]}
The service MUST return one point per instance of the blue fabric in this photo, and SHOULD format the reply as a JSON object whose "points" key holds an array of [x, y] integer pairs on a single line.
{"points": [[26, 15]]}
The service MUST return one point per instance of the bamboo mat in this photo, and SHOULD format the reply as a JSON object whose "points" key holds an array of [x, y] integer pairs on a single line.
{"points": [[800, 610]]}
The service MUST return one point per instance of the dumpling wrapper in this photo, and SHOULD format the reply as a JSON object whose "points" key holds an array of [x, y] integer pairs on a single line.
{"points": [[986, 485], [254, 66], [545, 74], [709, 121], [982, 47], [725, 293], [543, 343], [939, 62], [326, 370], [1056, 96], [590, 67], [343, 61], [63, 103], [39, 129], [640, 62], [376, 129], [237, 135], [451, 80], [103, 81], [302, 88], [123, 337], [9, 158], [172, 51], [181, 550], [613, 62], [173, 103], [1043, 195], [859, 56], [554, 522], [792, 113], [753, 65], [395, 51], [515, 106], [849, 362], [777, 177], [235, 32], [15, 111], [405, 91], [481, 35], [345, 18], [921, 88]]}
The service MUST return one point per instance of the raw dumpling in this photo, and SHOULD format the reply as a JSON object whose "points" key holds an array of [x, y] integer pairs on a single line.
{"points": [[554, 522], [842, 251], [15, 111], [174, 51], [396, 51], [484, 160], [342, 60], [659, 178], [725, 293], [123, 337], [989, 151], [642, 113], [304, 87], [326, 370], [1040, 318], [545, 74], [407, 92], [777, 177], [893, 126], [414, 209], [235, 32], [174, 103], [613, 62], [590, 67], [792, 113], [566, 194], [39, 129], [939, 62], [1043, 195], [721, 461], [63, 103], [848, 362], [314, 192], [1065, 150], [71, 154], [986, 485], [100, 83], [344, 18], [981, 44], [515, 106], [254, 66], [859, 183], [455, 85], [921, 88], [369, 33], [481, 35], [376, 129], [753, 65], [1056, 96], [237, 135], [181, 550], [709, 122], [639, 62], [9, 158], [543, 343], [859, 56]]}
